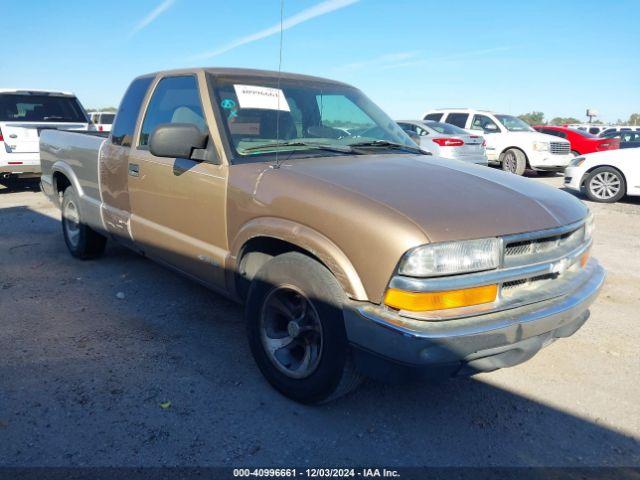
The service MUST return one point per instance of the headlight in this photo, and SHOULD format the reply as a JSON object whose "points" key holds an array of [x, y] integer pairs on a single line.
{"points": [[541, 146], [576, 162], [449, 258]]}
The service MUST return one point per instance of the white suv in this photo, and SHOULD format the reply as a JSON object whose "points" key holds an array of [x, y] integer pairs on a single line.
{"points": [[23, 115], [511, 143]]}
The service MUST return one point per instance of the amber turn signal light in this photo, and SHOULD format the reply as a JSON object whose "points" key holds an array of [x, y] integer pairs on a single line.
{"points": [[584, 259], [426, 301]]}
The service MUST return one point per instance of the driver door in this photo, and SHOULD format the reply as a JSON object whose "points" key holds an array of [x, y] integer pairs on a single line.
{"points": [[178, 204]]}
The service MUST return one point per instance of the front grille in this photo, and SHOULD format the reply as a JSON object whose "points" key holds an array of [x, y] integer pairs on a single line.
{"points": [[542, 249], [560, 148], [527, 282]]}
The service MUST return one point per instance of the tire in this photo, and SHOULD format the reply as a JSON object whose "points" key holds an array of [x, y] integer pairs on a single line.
{"points": [[605, 185], [82, 242], [513, 161], [296, 330]]}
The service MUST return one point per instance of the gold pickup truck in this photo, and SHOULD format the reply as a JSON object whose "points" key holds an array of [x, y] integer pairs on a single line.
{"points": [[354, 252]]}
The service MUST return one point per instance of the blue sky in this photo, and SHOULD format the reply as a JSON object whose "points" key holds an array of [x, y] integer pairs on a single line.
{"points": [[559, 57]]}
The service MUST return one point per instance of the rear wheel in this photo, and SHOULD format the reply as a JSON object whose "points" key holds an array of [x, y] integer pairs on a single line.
{"points": [[513, 161], [81, 240], [296, 329], [605, 185]]}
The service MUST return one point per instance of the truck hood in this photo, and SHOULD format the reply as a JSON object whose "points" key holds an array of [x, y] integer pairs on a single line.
{"points": [[447, 199]]}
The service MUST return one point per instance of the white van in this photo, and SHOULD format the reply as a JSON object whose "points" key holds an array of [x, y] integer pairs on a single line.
{"points": [[23, 115], [511, 142]]}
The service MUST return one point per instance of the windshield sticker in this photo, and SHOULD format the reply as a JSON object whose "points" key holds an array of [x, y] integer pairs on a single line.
{"points": [[248, 128], [265, 98]]}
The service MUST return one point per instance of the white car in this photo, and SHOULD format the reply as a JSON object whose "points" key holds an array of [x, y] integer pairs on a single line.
{"points": [[511, 143], [446, 141], [605, 176], [103, 120], [23, 115]]}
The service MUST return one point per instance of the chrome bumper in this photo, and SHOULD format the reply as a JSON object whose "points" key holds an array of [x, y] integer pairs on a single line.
{"points": [[21, 170], [478, 343]]}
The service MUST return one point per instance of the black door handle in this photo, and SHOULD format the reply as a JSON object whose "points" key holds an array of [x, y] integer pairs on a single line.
{"points": [[134, 169]]}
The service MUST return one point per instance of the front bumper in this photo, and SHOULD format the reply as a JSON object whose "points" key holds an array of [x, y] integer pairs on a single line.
{"points": [[573, 178], [386, 350], [547, 161]]}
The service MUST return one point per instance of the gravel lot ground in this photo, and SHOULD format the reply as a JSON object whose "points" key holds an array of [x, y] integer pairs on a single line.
{"points": [[83, 373]]}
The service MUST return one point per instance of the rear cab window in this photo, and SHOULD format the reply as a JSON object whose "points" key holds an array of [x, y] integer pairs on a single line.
{"points": [[125, 122], [457, 119], [41, 108]]}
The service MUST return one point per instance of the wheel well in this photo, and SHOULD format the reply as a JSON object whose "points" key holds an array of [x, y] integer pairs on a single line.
{"points": [[258, 251], [526, 159], [586, 174], [60, 182]]}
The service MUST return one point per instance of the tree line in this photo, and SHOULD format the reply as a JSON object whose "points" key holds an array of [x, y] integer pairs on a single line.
{"points": [[537, 118]]}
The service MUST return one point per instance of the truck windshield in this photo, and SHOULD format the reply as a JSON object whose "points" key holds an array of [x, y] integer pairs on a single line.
{"points": [[514, 124], [40, 108], [262, 117]]}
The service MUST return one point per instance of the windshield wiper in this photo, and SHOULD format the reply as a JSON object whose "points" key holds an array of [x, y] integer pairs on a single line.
{"points": [[387, 144], [298, 143]]}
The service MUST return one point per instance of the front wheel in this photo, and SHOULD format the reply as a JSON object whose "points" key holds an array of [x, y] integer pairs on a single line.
{"points": [[81, 240], [605, 185], [513, 161], [296, 329]]}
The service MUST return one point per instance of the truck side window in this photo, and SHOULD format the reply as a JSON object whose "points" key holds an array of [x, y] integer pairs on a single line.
{"points": [[175, 100], [457, 119], [125, 124]]}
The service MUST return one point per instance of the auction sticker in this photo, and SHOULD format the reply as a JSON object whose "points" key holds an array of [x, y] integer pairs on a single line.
{"points": [[250, 96]]}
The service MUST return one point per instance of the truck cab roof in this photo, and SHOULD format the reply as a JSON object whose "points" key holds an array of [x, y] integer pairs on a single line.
{"points": [[245, 72]]}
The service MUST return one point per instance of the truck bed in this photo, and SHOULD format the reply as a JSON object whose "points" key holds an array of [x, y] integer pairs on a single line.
{"points": [[74, 155]]}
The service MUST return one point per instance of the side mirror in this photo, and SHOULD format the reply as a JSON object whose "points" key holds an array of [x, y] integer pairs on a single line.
{"points": [[177, 140], [490, 128]]}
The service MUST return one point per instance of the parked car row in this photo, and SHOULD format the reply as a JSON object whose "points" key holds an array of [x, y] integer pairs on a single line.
{"points": [[601, 130], [510, 142]]}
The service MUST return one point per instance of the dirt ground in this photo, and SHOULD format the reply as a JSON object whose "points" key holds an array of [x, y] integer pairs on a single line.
{"points": [[91, 352]]}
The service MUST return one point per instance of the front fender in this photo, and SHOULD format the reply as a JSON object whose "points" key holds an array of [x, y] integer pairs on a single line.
{"points": [[306, 238]]}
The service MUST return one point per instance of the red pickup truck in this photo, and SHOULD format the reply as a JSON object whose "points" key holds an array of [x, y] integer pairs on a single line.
{"points": [[581, 142]]}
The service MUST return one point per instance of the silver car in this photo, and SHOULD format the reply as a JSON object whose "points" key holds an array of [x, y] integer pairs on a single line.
{"points": [[446, 141]]}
